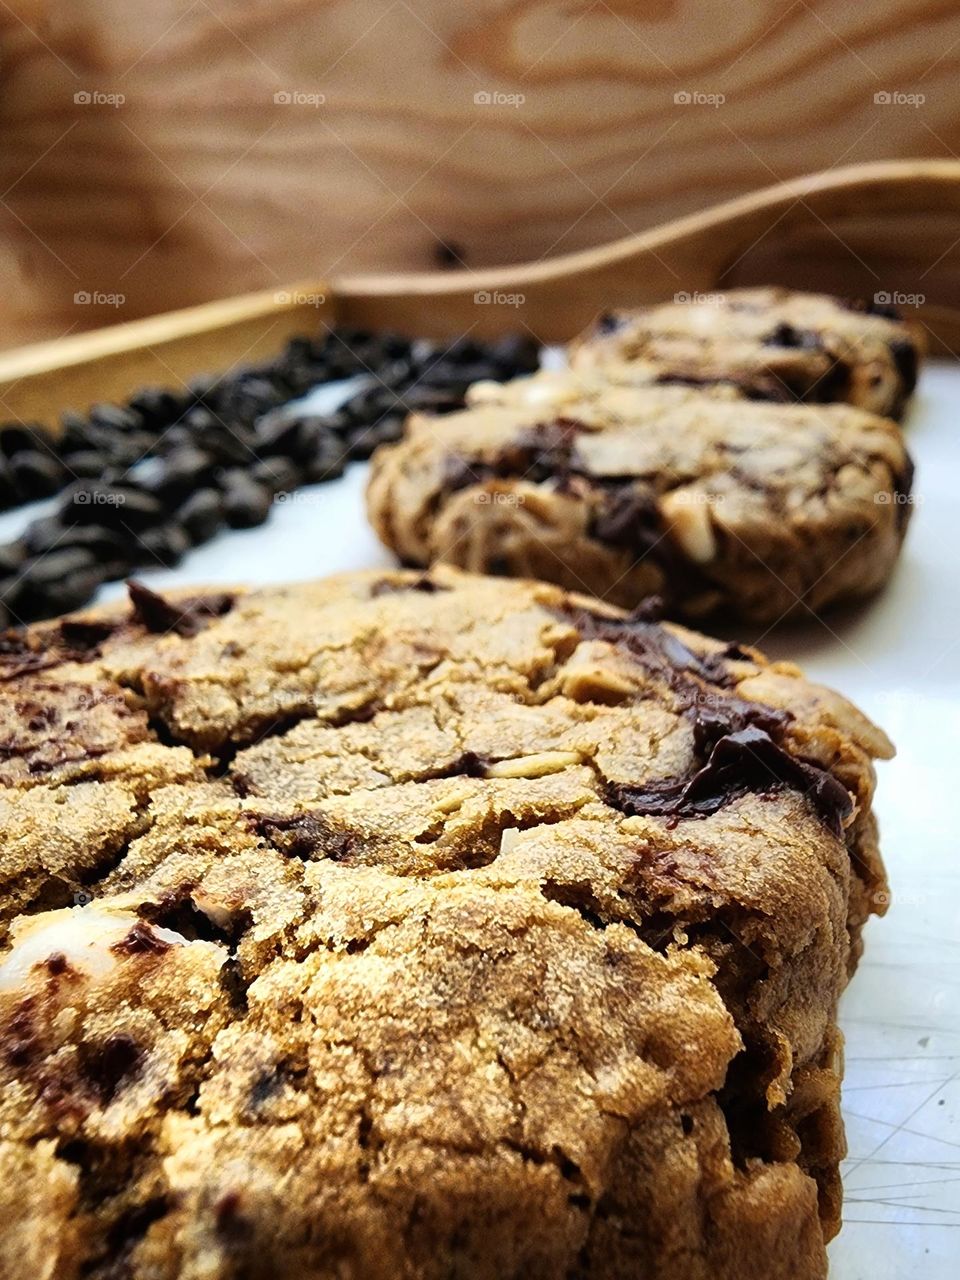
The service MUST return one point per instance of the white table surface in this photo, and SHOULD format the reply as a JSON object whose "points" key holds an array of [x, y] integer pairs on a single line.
{"points": [[898, 657]]}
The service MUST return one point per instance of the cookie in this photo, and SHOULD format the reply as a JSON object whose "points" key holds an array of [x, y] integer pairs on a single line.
{"points": [[444, 926], [612, 486], [772, 343]]}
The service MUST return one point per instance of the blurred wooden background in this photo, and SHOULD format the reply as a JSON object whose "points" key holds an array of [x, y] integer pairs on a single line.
{"points": [[160, 153]]}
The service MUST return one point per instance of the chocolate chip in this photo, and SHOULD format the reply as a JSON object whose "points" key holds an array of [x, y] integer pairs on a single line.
{"points": [[108, 1065], [905, 357], [81, 634], [141, 940], [185, 617], [628, 517], [787, 335]]}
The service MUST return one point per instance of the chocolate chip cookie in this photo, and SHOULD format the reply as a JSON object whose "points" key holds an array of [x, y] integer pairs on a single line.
{"points": [[772, 343], [405, 925], [604, 483]]}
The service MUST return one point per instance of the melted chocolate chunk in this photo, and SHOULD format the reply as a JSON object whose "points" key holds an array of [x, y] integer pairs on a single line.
{"points": [[546, 451], [736, 741], [305, 835], [628, 517], [424, 583], [106, 1066], [787, 335], [905, 357], [745, 761], [656, 648], [81, 636], [610, 322], [185, 617], [141, 940]]}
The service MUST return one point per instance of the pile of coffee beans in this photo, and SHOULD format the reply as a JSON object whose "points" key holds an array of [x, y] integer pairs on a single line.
{"points": [[142, 483]]}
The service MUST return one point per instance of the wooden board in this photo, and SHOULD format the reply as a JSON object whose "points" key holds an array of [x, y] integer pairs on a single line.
{"points": [[144, 158]]}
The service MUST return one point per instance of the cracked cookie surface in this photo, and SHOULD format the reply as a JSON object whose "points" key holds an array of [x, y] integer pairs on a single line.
{"points": [[405, 925], [602, 482], [774, 344]]}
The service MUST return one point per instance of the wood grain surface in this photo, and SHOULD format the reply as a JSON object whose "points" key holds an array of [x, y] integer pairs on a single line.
{"points": [[915, 207], [157, 154]]}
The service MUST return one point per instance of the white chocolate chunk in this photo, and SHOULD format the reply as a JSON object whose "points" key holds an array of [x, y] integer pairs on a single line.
{"points": [[84, 936]]}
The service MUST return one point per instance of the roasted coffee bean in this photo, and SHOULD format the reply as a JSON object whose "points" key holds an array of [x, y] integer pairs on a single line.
{"points": [[277, 432], [201, 515], [157, 407], [116, 506], [515, 353], [244, 402], [362, 441], [177, 474], [62, 594], [277, 473], [204, 387], [166, 545], [116, 417], [424, 399], [12, 556], [85, 464], [36, 475], [47, 570], [227, 443], [107, 544], [245, 503], [9, 495], [329, 459], [43, 535], [28, 438]]}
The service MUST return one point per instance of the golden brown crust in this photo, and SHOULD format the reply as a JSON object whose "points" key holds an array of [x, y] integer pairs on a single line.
{"points": [[463, 944], [772, 343], [600, 481]]}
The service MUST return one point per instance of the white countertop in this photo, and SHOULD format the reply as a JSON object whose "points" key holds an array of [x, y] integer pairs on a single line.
{"points": [[899, 658]]}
